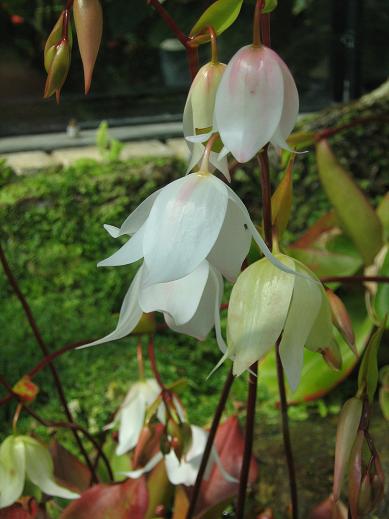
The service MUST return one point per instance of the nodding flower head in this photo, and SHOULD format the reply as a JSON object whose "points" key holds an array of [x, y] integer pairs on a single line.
{"points": [[256, 103]]}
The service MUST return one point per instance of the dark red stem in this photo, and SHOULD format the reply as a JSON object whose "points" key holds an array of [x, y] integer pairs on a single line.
{"points": [[248, 441], [170, 22], [286, 434], [211, 437], [42, 345], [329, 132], [355, 279]]}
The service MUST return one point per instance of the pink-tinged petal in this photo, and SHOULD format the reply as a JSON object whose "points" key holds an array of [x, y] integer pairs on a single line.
{"points": [[182, 227], [203, 319], [179, 299], [306, 301], [12, 471], [290, 107], [249, 101], [130, 313], [232, 245], [131, 251]]}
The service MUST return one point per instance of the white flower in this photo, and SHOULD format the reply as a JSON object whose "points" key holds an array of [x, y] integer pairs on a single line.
{"points": [[257, 102], [131, 414], [265, 303], [190, 305], [184, 472], [23, 457], [198, 120], [194, 218]]}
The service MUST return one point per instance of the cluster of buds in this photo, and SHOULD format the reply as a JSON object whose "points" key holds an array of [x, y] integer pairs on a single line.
{"points": [[88, 20]]}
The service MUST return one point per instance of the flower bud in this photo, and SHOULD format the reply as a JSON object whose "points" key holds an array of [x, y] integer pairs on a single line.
{"points": [[346, 434], [341, 319], [332, 356], [145, 439], [59, 68]]}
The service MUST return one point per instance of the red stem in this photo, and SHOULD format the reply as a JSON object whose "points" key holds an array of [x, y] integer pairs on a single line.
{"points": [[65, 25], [170, 22], [210, 440], [329, 132], [42, 345]]}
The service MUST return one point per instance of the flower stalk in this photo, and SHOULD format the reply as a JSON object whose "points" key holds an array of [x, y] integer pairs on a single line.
{"points": [[41, 343], [257, 23]]}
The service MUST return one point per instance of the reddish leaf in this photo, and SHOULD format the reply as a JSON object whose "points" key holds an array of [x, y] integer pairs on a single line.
{"points": [[229, 443], [126, 500], [25, 508], [327, 509], [68, 468], [324, 224], [88, 17]]}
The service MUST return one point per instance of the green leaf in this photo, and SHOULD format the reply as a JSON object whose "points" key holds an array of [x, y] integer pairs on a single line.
{"points": [[381, 301], [269, 6], [281, 201], [383, 215], [368, 371], [384, 391], [318, 378], [357, 217], [220, 15]]}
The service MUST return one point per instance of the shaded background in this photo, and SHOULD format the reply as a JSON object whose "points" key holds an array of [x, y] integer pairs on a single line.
{"points": [[336, 50]]}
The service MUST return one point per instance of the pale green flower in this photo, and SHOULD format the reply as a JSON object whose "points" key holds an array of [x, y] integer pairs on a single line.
{"points": [[266, 304]]}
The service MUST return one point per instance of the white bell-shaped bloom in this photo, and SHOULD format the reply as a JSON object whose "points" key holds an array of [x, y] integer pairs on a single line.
{"points": [[198, 120], [256, 103], [194, 218], [23, 457], [131, 414], [184, 472], [265, 303], [190, 305]]}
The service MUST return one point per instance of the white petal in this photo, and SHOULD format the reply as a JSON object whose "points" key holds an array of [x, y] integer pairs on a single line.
{"points": [[290, 107], [304, 308], [224, 152], [138, 217], [12, 471], [203, 320], [218, 280], [233, 243], [249, 101], [130, 313], [221, 164], [258, 238], [131, 251], [112, 230], [183, 226], [40, 470], [134, 474], [131, 422], [197, 151], [202, 137], [254, 324], [185, 472], [180, 299]]}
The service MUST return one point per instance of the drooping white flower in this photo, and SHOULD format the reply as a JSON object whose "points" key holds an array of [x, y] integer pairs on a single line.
{"points": [[131, 414], [256, 102], [265, 303], [184, 472], [194, 218], [198, 120], [23, 457], [190, 305]]}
